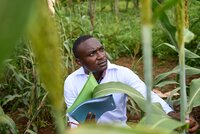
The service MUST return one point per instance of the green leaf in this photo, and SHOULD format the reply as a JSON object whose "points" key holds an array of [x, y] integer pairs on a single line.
{"points": [[159, 12], [10, 98], [158, 121], [188, 53], [45, 43], [166, 82], [108, 129], [21, 76], [161, 8], [188, 35], [118, 87], [1, 111], [31, 132], [189, 71], [5, 119], [170, 100], [165, 22], [86, 92], [14, 17], [194, 96]]}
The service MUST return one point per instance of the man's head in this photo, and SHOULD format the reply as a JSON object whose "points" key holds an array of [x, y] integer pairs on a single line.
{"points": [[90, 54]]}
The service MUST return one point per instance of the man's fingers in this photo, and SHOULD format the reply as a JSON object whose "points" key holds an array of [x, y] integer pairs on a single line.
{"points": [[90, 117], [193, 129], [193, 125], [93, 117]]}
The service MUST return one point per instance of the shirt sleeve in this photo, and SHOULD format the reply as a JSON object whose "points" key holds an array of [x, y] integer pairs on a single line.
{"points": [[134, 81], [69, 93], [70, 96]]}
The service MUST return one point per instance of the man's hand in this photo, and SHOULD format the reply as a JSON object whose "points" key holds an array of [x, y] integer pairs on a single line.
{"points": [[90, 117], [193, 124]]}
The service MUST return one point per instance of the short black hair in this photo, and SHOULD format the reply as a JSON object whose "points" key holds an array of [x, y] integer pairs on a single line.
{"points": [[78, 41]]}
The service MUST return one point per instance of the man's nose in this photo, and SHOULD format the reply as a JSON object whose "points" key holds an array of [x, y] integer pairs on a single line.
{"points": [[100, 55]]}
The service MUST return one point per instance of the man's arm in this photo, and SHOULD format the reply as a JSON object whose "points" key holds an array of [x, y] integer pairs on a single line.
{"points": [[70, 97], [134, 81]]}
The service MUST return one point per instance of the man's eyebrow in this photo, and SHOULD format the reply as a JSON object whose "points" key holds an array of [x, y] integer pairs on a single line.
{"points": [[92, 51]]}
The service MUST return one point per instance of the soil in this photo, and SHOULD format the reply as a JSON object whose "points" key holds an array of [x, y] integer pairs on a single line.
{"points": [[159, 66]]}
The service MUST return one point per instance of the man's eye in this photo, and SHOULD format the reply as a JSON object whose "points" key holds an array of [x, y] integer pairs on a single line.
{"points": [[101, 49], [92, 54]]}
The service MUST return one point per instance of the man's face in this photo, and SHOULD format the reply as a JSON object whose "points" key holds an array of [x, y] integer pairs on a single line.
{"points": [[92, 56]]}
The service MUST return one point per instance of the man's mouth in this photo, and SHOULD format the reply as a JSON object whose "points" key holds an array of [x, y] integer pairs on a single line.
{"points": [[103, 63]]}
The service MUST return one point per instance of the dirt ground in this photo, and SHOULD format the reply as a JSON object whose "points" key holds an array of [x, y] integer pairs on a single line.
{"points": [[159, 66]]}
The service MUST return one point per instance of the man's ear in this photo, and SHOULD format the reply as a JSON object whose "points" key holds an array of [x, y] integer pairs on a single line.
{"points": [[78, 61]]}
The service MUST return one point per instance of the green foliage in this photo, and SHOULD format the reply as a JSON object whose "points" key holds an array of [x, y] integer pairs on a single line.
{"points": [[161, 80], [158, 121], [21, 76], [159, 36], [6, 123], [194, 11], [85, 129], [189, 71], [188, 53], [12, 25], [48, 56], [164, 19], [21, 85], [18, 80], [194, 94], [119, 38]]}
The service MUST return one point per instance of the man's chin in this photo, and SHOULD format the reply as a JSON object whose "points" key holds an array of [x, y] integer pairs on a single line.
{"points": [[100, 70]]}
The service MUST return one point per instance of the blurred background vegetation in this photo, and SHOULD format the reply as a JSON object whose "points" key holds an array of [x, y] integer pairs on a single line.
{"points": [[117, 25]]}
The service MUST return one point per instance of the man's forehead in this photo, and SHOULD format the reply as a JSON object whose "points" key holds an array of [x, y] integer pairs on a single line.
{"points": [[91, 40], [90, 43]]}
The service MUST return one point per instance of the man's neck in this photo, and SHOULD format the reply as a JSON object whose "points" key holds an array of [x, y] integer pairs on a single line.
{"points": [[98, 75]]}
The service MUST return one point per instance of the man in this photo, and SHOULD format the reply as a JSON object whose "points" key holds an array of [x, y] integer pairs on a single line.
{"points": [[91, 56]]}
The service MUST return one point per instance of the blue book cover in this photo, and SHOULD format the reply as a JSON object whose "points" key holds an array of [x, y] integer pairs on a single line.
{"points": [[96, 106]]}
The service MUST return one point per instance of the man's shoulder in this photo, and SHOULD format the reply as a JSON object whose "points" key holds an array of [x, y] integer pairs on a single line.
{"points": [[122, 70], [76, 73], [119, 67]]}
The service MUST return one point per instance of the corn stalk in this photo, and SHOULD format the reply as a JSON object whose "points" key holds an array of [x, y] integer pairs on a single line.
{"points": [[180, 25], [117, 9], [186, 14], [146, 17], [48, 58], [91, 12]]}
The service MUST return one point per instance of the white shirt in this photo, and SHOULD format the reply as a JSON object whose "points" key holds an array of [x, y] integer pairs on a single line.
{"points": [[115, 73]]}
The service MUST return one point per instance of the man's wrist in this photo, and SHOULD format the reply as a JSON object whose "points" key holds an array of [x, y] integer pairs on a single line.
{"points": [[175, 115]]}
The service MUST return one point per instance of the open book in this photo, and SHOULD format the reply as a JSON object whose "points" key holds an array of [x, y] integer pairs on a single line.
{"points": [[85, 102]]}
